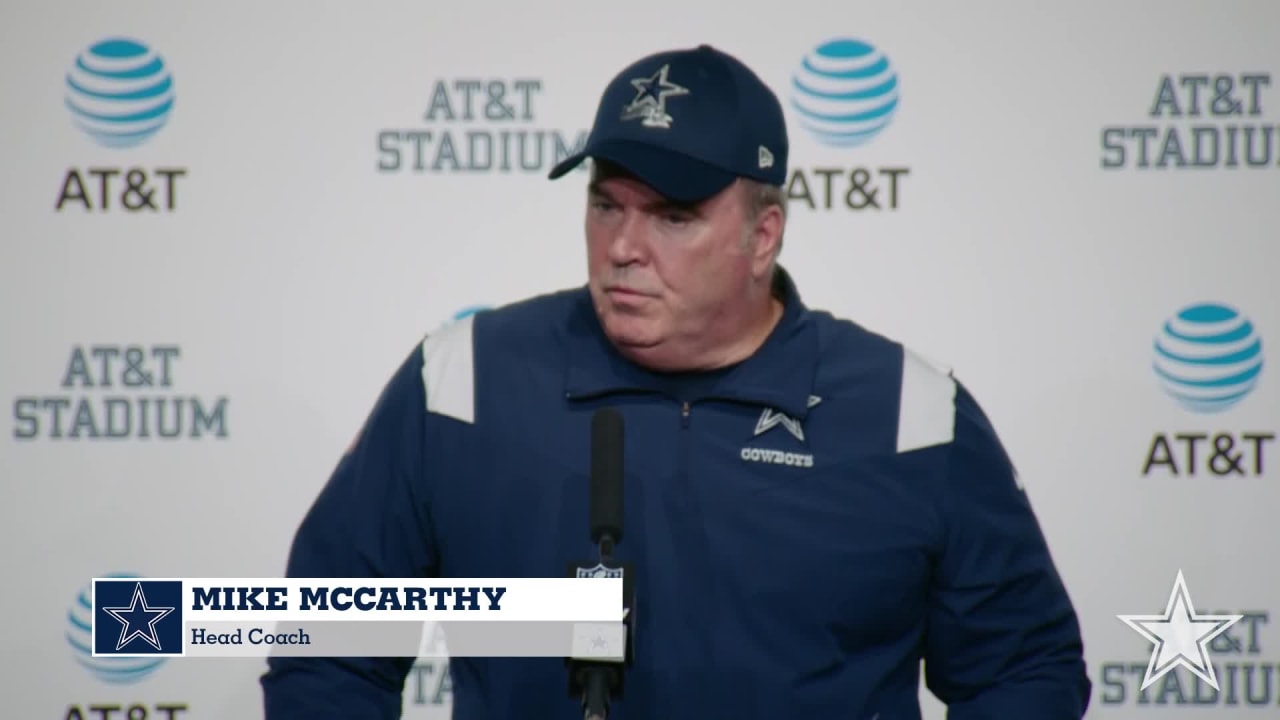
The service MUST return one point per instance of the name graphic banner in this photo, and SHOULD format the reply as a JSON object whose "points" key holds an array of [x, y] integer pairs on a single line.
{"points": [[255, 617]]}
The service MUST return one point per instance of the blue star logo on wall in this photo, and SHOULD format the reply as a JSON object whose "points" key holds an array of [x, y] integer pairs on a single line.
{"points": [[138, 620], [1181, 637], [650, 102]]}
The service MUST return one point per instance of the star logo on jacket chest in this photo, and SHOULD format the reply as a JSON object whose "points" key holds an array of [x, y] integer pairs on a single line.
{"points": [[771, 418]]}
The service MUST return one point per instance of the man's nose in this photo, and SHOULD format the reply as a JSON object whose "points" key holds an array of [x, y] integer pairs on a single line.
{"points": [[627, 244]]}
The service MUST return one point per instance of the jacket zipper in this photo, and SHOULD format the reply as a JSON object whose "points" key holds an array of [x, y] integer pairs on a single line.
{"points": [[682, 472]]}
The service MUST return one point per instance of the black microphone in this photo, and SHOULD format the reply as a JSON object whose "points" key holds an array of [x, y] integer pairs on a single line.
{"points": [[606, 480], [596, 680]]}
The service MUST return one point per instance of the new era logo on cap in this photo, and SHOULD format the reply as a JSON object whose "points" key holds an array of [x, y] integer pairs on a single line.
{"points": [[766, 158]]}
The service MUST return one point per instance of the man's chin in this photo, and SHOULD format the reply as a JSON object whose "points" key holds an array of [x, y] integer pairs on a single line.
{"points": [[634, 340], [631, 332]]}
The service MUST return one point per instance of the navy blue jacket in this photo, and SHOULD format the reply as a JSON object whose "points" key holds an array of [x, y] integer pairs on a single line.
{"points": [[806, 527]]}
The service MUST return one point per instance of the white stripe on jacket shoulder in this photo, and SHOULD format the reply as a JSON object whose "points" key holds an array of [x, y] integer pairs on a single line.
{"points": [[926, 409], [449, 371]]}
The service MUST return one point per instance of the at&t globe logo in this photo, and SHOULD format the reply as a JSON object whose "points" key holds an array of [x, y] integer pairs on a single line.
{"points": [[119, 93], [1208, 357], [844, 92]]}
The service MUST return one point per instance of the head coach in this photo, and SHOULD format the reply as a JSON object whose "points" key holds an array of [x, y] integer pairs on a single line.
{"points": [[816, 516]]}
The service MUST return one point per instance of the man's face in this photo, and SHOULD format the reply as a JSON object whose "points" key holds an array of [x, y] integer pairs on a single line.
{"points": [[661, 274]]}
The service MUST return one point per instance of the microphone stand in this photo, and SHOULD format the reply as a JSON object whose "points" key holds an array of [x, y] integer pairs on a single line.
{"points": [[597, 678], [600, 682]]}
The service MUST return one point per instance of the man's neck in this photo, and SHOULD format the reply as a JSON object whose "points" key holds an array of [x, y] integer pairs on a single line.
{"points": [[746, 343]]}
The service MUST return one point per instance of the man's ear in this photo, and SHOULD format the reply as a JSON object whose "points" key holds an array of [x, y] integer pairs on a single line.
{"points": [[766, 241]]}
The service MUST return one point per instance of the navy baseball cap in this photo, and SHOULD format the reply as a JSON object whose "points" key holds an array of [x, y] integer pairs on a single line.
{"points": [[688, 123]]}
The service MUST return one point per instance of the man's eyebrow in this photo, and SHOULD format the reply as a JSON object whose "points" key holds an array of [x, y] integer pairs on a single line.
{"points": [[660, 204], [683, 207], [594, 188]]}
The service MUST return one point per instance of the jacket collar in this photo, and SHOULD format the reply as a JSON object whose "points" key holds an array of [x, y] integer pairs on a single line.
{"points": [[779, 375]]}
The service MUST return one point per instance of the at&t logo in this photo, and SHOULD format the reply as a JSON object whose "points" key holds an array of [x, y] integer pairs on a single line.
{"points": [[845, 93], [1208, 357], [120, 94]]}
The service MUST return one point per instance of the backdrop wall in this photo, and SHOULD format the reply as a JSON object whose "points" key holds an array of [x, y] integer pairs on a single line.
{"points": [[198, 305]]}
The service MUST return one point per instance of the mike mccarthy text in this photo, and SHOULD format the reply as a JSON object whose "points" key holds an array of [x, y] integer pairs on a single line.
{"points": [[345, 598], [264, 600]]}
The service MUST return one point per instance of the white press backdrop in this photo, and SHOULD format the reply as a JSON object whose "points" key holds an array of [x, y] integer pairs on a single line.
{"points": [[299, 247]]}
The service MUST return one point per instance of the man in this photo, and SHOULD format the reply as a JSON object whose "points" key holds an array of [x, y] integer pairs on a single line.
{"points": [[811, 511]]}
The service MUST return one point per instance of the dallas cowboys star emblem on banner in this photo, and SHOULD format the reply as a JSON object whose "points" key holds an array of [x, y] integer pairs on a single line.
{"points": [[137, 617], [1181, 636]]}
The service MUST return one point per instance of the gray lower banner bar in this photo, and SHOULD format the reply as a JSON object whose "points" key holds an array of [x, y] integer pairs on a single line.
{"points": [[604, 641]]}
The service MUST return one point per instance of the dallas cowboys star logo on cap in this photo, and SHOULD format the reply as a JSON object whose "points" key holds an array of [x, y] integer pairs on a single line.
{"points": [[650, 102]]}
